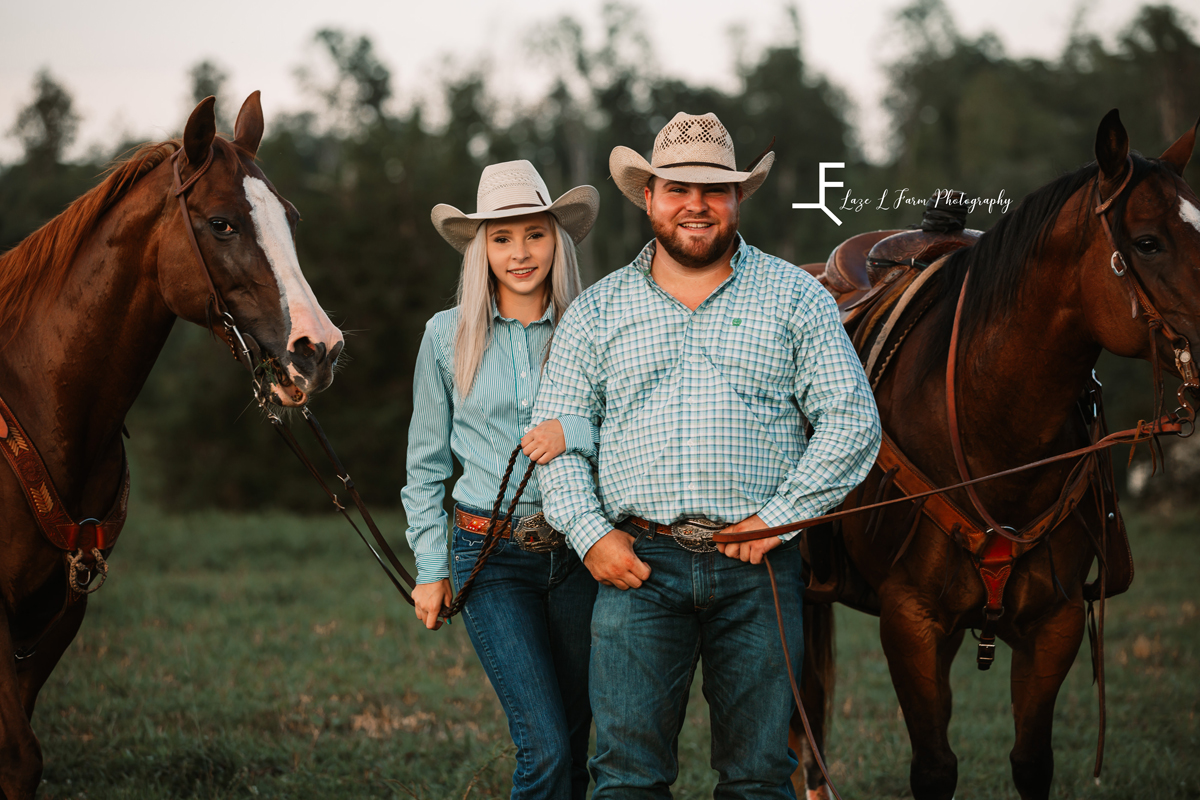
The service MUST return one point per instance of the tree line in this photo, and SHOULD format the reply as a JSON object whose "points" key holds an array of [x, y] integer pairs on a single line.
{"points": [[962, 114]]}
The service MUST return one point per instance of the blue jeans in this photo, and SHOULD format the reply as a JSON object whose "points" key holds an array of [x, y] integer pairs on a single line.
{"points": [[645, 645], [529, 617]]}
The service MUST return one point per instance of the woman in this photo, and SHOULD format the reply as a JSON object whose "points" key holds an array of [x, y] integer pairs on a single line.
{"points": [[529, 611]]}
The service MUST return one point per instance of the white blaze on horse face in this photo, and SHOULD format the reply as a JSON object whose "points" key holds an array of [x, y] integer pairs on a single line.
{"points": [[1190, 214], [305, 316]]}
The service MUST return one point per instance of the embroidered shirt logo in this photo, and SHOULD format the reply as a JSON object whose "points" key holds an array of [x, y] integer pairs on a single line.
{"points": [[737, 322]]}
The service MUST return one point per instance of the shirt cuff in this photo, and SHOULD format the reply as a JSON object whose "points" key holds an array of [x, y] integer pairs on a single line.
{"points": [[585, 531], [778, 511], [433, 562], [577, 433]]}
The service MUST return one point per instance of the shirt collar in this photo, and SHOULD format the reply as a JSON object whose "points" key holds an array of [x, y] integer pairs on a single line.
{"points": [[547, 316]]}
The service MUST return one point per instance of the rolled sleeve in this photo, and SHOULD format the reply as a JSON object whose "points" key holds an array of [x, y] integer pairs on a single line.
{"points": [[580, 435]]}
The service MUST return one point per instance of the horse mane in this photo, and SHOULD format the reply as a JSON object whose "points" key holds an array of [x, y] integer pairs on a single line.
{"points": [[36, 269], [999, 261]]}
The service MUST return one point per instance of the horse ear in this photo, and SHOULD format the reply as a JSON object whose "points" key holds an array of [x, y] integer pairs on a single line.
{"points": [[1112, 146], [1178, 154], [199, 132], [248, 130]]}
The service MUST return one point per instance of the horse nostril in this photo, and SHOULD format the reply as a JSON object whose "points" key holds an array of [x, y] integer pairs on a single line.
{"points": [[303, 347], [336, 351]]}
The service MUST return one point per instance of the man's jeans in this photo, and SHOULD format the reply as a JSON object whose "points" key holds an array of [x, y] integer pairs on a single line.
{"points": [[529, 617], [645, 644]]}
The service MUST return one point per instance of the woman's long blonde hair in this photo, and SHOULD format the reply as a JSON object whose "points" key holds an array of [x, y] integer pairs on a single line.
{"points": [[477, 287]]}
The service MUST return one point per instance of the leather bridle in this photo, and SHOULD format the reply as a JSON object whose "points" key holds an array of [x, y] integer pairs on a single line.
{"points": [[240, 346]]}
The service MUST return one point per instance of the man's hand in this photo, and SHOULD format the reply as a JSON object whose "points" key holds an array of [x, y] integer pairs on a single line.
{"points": [[545, 442], [613, 562], [430, 599], [753, 550]]}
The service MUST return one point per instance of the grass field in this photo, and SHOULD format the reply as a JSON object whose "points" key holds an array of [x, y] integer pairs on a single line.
{"points": [[264, 656]]}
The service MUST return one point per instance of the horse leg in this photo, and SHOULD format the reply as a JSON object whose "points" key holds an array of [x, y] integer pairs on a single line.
{"points": [[1040, 661], [816, 690], [20, 753], [36, 669], [919, 654]]}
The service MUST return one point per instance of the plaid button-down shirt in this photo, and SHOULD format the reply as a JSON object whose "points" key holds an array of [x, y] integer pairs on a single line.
{"points": [[702, 413]]}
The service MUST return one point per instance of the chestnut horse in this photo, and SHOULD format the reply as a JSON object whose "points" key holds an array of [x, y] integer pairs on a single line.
{"points": [[86, 304], [1045, 296]]}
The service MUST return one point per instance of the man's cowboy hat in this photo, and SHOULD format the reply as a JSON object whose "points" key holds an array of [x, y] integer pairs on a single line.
{"points": [[689, 149], [511, 189]]}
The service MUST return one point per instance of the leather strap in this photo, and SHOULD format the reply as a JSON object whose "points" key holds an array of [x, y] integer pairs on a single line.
{"points": [[477, 524], [56, 524]]}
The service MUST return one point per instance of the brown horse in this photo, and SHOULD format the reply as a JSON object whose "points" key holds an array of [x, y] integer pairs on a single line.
{"points": [[86, 304], [1045, 296]]}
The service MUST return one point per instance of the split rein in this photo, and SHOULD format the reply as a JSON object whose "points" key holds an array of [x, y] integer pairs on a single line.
{"points": [[239, 346]]}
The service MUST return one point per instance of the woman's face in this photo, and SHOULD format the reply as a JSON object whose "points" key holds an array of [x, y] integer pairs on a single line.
{"points": [[520, 252]]}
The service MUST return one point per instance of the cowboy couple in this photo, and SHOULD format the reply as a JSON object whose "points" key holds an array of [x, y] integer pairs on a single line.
{"points": [[666, 402]]}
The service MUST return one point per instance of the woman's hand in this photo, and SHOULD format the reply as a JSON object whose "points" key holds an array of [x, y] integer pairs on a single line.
{"points": [[545, 442], [430, 599]]}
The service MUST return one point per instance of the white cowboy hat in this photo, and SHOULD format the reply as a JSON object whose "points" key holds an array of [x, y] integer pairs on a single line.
{"points": [[689, 149], [512, 189]]}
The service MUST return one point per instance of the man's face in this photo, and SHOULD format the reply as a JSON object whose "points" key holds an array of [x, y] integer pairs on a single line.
{"points": [[695, 222]]}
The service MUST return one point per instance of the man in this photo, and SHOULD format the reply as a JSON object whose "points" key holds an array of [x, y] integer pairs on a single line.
{"points": [[701, 363]]}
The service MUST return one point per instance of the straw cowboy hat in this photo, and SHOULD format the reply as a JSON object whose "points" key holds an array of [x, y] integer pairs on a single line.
{"points": [[689, 149], [512, 189]]}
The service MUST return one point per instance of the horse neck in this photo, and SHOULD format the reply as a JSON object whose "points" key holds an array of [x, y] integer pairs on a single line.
{"points": [[75, 369], [1021, 375]]}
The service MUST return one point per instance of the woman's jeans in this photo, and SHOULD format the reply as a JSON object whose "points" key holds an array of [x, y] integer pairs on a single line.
{"points": [[645, 645], [529, 617]]}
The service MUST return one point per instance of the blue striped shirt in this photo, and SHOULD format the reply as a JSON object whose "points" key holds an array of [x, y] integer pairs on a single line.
{"points": [[480, 432], [702, 413]]}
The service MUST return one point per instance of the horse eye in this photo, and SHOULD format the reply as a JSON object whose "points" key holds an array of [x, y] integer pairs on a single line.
{"points": [[1147, 245], [221, 227]]}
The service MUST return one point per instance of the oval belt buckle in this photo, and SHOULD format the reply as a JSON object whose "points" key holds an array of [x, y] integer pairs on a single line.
{"points": [[535, 534], [695, 535]]}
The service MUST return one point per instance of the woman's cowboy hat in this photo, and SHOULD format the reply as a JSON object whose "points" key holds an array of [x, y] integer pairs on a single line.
{"points": [[511, 189], [689, 149]]}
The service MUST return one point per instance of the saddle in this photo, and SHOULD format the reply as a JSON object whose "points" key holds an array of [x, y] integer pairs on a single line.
{"points": [[879, 280]]}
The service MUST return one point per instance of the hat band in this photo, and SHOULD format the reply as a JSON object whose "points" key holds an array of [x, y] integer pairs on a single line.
{"points": [[695, 164], [519, 205]]}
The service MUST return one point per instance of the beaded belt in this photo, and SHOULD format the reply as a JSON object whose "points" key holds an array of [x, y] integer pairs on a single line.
{"points": [[533, 533]]}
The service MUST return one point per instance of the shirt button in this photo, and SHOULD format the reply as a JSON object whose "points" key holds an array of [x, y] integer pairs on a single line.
{"points": [[689, 443], [522, 374], [691, 487], [524, 402]]}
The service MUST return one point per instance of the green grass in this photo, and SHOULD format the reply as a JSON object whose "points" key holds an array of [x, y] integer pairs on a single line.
{"points": [[264, 656]]}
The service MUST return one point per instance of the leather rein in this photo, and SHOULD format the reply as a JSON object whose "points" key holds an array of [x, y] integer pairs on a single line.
{"points": [[240, 346], [1000, 549]]}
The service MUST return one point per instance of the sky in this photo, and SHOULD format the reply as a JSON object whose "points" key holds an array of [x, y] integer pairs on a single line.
{"points": [[125, 62]]}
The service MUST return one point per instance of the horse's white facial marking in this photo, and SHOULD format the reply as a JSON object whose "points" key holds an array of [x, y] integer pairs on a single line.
{"points": [[1190, 214], [306, 318]]}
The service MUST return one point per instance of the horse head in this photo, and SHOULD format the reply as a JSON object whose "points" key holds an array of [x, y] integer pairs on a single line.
{"points": [[244, 235], [1146, 266]]}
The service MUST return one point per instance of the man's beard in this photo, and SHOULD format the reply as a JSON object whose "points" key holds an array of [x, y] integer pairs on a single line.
{"points": [[697, 254]]}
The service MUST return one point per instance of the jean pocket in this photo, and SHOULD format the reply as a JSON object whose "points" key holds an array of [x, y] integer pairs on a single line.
{"points": [[467, 545]]}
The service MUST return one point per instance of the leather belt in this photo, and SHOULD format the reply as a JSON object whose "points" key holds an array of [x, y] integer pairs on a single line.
{"points": [[690, 534], [473, 523], [534, 533]]}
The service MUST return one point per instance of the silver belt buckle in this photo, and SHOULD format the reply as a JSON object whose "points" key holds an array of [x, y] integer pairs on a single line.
{"points": [[535, 535], [696, 534]]}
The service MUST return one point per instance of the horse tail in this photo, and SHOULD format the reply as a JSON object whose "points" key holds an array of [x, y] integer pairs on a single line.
{"points": [[819, 676]]}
